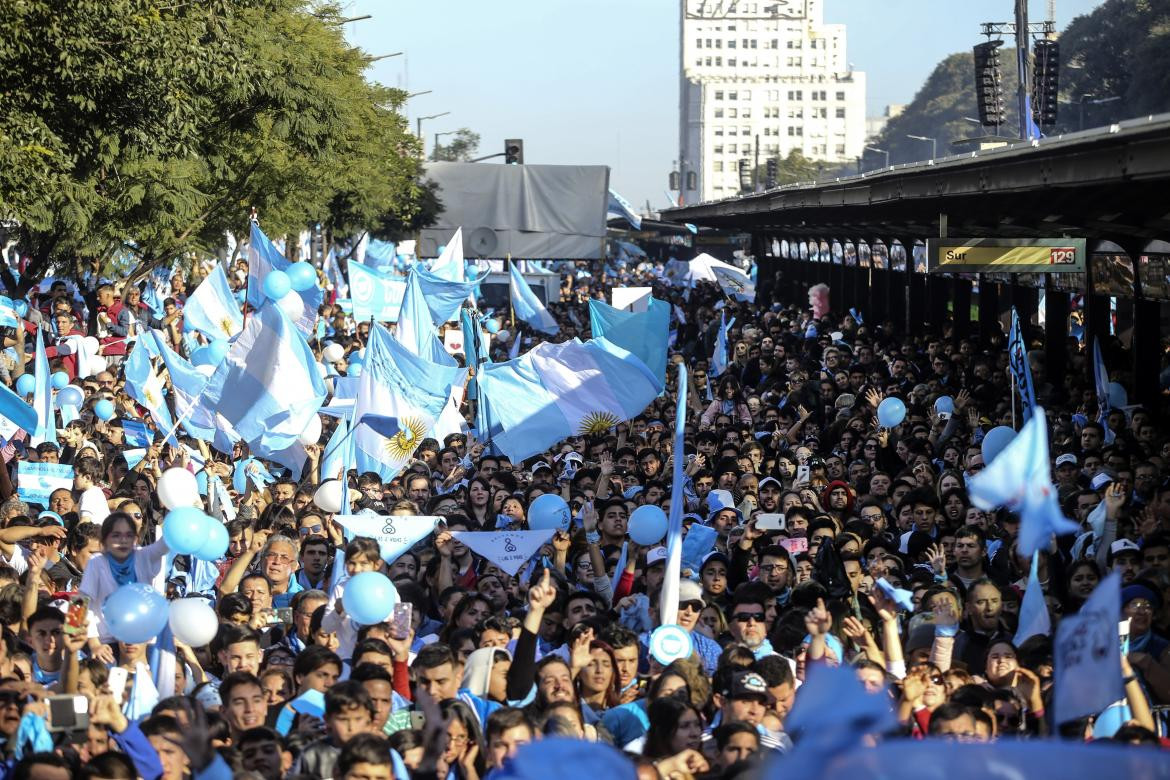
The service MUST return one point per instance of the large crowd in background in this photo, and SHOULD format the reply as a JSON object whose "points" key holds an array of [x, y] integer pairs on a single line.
{"points": [[811, 503]]}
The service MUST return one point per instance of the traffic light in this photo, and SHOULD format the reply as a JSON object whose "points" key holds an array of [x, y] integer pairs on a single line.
{"points": [[772, 168], [692, 181], [745, 174], [1046, 83], [989, 83], [514, 151], [675, 181]]}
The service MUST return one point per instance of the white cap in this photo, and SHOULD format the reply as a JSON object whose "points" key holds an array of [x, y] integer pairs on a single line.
{"points": [[1067, 457], [655, 555]]}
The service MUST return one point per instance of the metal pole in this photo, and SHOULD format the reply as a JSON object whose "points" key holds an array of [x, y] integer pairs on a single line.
{"points": [[756, 166], [1022, 58]]}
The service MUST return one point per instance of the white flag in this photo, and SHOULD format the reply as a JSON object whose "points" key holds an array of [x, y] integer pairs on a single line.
{"points": [[507, 549], [1088, 655], [395, 533]]}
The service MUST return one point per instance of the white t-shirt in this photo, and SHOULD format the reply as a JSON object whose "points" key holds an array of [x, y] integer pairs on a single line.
{"points": [[94, 507]]}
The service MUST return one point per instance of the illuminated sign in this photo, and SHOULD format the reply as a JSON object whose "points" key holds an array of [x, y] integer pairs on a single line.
{"points": [[1006, 255]]}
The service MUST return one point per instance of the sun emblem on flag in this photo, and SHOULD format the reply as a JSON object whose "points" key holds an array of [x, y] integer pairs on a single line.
{"points": [[403, 444], [597, 422], [226, 326]]}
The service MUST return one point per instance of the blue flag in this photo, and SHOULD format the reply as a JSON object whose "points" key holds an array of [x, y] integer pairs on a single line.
{"points": [[416, 330], [443, 296], [1034, 618], [212, 309], [338, 456], [1020, 367], [719, 356], [668, 599], [267, 387], [395, 534], [380, 253], [528, 307], [558, 390], [473, 350], [1019, 479], [1101, 380], [188, 385], [644, 334], [620, 207], [450, 264], [15, 413], [43, 395]]}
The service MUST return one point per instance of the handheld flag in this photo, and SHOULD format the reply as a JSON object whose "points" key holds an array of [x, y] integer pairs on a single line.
{"points": [[443, 296], [668, 599], [212, 309], [509, 550], [528, 307], [1020, 367], [145, 386], [719, 356], [450, 264], [14, 414], [375, 295], [644, 334], [734, 283], [416, 330], [1034, 617], [1019, 479], [1087, 655], [334, 275], [395, 534], [263, 258], [1101, 381], [43, 396], [621, 208]]}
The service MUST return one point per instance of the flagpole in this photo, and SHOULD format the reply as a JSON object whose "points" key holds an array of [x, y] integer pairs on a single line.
{"points": [[511, 308], [1014, 401]]}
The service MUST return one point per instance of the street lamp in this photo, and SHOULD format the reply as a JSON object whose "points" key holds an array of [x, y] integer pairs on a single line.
{"points": [[416, 94], [440, 135], [933, 143], [880, 151], [1095, 102], [419, 121]]}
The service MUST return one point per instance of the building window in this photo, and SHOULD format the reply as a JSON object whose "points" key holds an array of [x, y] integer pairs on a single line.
{"points": [[717, 166], [719, 130], [731, 43], [775, 43], [718, 94], [731, 149], [708, 62], [719, 113], [746, 94], [717, 149], [733, 96], [708, 43], [795, 130], [718, 62], [718, 43], [841, 96], [699, 43], [732, 113], [754, 42], [840, 150], [732, 131], [840, 113], [796, 94], [747, 114], [731, 62], [745, 130]]}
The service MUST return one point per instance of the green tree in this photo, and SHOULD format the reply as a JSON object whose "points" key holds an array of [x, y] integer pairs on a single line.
{"points": [[462, 148]]}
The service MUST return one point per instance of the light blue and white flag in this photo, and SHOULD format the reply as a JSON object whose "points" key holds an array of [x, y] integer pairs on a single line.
{"points": [[443, 296], [15, 414], [338, 455], [267, 387], [1019, 479], [621, 208], [1087, 655], [334, 275], [379, 254], [528, 307], [375, 295], [188, 385], [554, 391], [395, 534], [136, 433], [514, 350], [719, 357], [35, 482], [263, 258], [644, 334], [473, 346], [1034, 618], [1101, 381], [43, 396], [212, 309], [450, 264], [145, 385], [509, 550], [144, 694], [416, 330], [1019, 366], [734, 283], [400, 397], [668, 598], [8, 315]]}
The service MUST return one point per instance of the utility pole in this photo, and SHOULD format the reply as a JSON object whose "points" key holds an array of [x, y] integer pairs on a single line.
{"points": [[1023, 39]]}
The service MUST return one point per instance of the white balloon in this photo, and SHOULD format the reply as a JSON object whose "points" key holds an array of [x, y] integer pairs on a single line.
{"points": [[292, 305], [177, 487], [92, 344], [328, 496], [333, 353], [97, 364], [193, 621], [312, 432]]}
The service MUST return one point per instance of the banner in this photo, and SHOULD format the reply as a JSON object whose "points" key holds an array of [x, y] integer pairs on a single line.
{"points": [[1087, 655], [374, 295], [507, 549], [36, 481], [395, 533]]}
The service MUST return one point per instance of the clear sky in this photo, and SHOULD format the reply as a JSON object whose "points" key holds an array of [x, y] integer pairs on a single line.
{"points": [[596, 81]]}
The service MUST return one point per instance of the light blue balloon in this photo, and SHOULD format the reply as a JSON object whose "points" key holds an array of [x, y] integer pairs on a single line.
{"points": [[491, 325], [217, 542], [276, 285], [1117, 395], [59, 379], [186, 529], [994, 442], [549, 511], [355, 370], [369, 597], [104, 409], [26, 384], [202, 356], [135, 613], [355, 358], [891, 412], [944, 405], [647, 525], [218, 350], [302, 276], [70, 395]]}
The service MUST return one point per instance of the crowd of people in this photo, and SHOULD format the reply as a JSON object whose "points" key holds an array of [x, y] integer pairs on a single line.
{"points": [[809, 500]]}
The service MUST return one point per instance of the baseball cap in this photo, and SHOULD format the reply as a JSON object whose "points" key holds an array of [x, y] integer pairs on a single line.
{"points": [[770, 481], [689, 590], [1124, 546], [1100, 480], [747, 685], [655, 555], [1067, 457], [540, 464]]}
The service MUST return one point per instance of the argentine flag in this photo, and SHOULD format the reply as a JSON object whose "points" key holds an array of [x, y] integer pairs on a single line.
{"points": [[528, 307], [212, 309], [145, 386], [263, 258]]}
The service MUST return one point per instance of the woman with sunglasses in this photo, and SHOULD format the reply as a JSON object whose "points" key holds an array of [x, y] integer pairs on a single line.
{"points": [[924, 690], [121, 562]]}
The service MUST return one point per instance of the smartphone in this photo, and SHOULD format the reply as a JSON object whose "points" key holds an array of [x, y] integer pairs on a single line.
{"points": [[802, 474], [77, 614], [795, 545], [117, 683], [401, 620], [1123, 632], [417, 720], [68, 713], [281, 615], [770, 521]]}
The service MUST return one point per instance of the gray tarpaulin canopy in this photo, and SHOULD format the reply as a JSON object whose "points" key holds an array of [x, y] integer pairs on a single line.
{"points": [[526, 211]]}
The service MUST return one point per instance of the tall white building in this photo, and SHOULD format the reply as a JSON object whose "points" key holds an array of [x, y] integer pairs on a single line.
{"points": [[759, 78]]}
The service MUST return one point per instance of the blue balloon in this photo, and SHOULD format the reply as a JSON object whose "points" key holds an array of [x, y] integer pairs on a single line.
{"points": [[218, 350], [994, 442], [104, 409], [186, 529], [891, 412], [26, 384], [217, 542], [202, 356], [944, 405], [549, 511], [356, 357], [355, 370], [369, 597], [135, 613], [491, 325], [70, 395], [21, 307], [647, 525], [302, 276], [276, 285], [59, 379]]}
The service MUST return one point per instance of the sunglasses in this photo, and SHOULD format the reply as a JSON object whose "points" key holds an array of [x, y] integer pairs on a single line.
{"points": [[693, 606], [313, 529], [748, 617]]}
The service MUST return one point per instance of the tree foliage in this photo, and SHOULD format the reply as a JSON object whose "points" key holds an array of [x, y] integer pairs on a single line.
{"points": [[462, 148], [155, 126]]}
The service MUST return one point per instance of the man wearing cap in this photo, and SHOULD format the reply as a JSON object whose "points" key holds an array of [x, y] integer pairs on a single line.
{"points": [[742, 696], [1149, 651], [1067, 470], [769, 491], [1125, 557], [690, 606]]}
